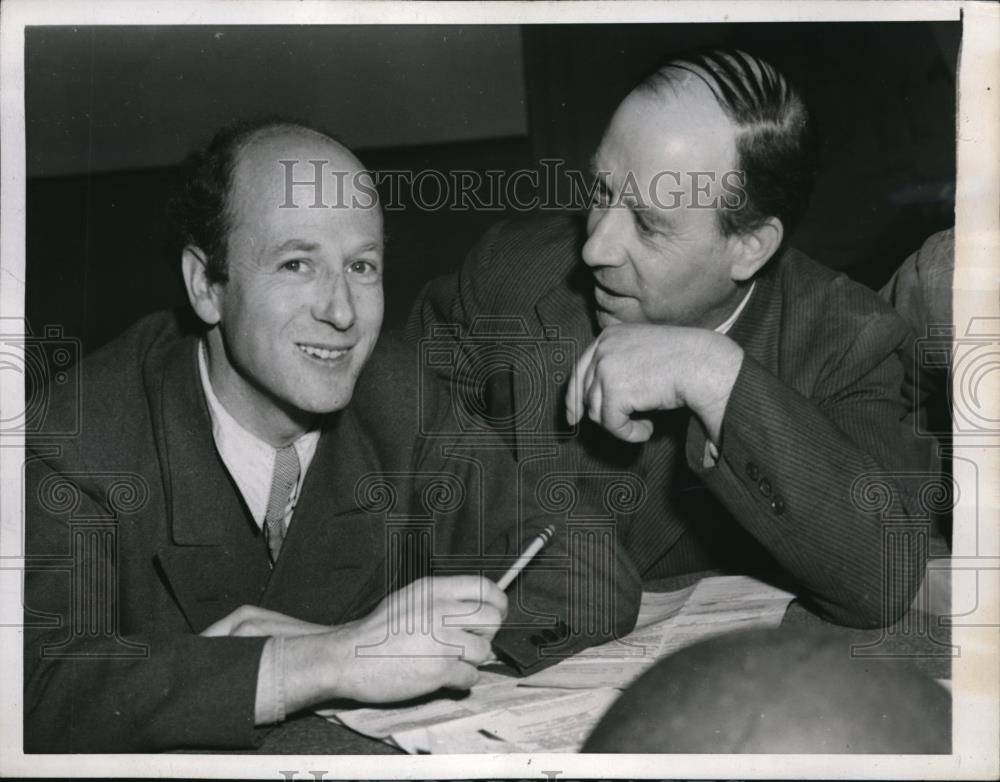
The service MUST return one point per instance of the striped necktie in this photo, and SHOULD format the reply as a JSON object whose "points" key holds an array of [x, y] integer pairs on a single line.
{"points": [[286, 475]]}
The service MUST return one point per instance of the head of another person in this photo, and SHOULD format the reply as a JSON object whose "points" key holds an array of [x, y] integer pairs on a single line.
{"points": [[286, 276], [702, 172], [791, 689]]}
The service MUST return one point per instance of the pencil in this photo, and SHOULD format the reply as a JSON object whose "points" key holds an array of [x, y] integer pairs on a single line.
{"points": [[533, 548]]}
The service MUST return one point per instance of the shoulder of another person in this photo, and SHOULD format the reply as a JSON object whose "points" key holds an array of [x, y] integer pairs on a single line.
{"points": [[838, 308], [530, 250], [388, 384], [388, 400], [817, 285]]}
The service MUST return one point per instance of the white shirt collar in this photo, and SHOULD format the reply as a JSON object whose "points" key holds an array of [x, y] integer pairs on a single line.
{"points": [[727, 324], [249, 459]]}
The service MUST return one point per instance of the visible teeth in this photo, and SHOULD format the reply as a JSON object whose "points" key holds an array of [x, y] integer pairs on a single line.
{"points": [[321, 352]]}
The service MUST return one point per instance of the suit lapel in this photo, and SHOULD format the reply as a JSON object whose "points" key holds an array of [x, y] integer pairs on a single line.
{"points": [[332, 558], [215, 563]]}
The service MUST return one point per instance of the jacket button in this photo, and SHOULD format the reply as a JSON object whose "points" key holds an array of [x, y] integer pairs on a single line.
{"points": [[765, 487], [778, 504], [550, 635], [753, 472], [537, 640]]}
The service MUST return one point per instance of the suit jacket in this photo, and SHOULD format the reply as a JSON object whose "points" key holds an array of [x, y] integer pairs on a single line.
{"points": [[813, 486], [137, 540]]}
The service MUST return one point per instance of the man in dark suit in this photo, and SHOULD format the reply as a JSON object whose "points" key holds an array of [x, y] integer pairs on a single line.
{"points": [[213, 551], [754, 393]]}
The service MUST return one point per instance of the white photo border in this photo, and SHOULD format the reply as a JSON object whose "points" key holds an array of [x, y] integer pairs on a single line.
{"points": [[976, 673]]}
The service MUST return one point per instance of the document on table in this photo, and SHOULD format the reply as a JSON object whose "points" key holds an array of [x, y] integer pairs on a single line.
{"points": [[711, 607], [556, 722], [554, 710]]}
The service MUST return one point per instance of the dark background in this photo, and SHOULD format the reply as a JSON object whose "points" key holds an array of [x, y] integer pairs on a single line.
{"points": [[110, 112]]}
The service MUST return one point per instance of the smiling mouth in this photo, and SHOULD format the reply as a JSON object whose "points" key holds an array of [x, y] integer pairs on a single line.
{"points": [[321, 353]]}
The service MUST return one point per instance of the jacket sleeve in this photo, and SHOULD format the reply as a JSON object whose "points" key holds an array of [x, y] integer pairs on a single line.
{"points": [[824, 482], [580, 590], [89, 688]]}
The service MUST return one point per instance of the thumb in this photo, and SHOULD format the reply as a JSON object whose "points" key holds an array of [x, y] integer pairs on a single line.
{"points": [[461, 676]]}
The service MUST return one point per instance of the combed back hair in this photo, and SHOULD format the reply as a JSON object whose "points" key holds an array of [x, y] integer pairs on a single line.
{"points": [[774, 143], [201, 212]]}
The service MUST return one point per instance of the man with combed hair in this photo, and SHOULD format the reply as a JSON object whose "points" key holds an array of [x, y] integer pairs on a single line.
{"points": [[756, 393], [203, 557]]}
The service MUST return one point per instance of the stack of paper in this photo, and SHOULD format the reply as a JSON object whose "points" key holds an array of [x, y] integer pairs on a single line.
{"points": [[667, 622], [555, 710]]}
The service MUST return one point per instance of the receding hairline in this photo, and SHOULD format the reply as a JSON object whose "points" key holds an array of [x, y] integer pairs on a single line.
{"points": [[293, 132], [732, 71]]}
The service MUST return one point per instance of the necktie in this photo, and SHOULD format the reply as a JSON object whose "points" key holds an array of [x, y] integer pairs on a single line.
{"points": [[286, 475]]}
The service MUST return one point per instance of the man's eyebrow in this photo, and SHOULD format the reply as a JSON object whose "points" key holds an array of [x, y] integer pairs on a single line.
{"points": [[371, 247], [298, 245]]}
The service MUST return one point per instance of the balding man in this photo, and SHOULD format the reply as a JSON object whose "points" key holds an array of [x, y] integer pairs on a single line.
{"points": [[755, 393], [779, 690], [240, 574]]}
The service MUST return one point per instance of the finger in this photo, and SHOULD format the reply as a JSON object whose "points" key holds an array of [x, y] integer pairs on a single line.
{"points": [[229, 624], [460, 676], [495, 597], [252, 629], [619, 422], [641, 430], [485, 622], [218, 629], [574, 393], [591, 373], [475, 648], [595, 399], [474, 589]]}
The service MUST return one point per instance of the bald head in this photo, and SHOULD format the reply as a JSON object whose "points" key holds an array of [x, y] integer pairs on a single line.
{"points": [[263, 151], [298, 170], [785, 690], [244, 159]]}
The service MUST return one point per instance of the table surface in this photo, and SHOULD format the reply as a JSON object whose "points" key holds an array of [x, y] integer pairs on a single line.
{"points": [[918, 640]]}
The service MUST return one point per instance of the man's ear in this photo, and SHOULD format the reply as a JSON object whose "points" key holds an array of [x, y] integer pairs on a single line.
{"points": [[754, 248], [202, 293]]}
